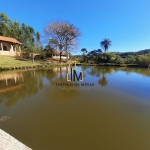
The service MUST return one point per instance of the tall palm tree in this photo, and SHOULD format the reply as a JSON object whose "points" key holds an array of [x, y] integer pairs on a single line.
{"points": [[105, 44]]}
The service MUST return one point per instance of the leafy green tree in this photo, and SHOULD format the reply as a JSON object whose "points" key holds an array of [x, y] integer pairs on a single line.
{"points": [[84, 50], [24, 33], [49, 50], [84, 57], [143, 59], [105, 44], [5, 22], [118, 60], [15, 28], [131, 59], [37, 34]]}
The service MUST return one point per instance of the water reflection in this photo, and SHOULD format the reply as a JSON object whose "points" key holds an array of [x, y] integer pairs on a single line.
{"points": [[9, 79], [19, 85], [15, 86], [59, 94], [4, 118], [101, 72], [53, 117], [142, 71], [103, 81]]}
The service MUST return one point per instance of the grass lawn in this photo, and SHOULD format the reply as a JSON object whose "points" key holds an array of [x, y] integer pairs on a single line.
{"points": [[9, 61]]}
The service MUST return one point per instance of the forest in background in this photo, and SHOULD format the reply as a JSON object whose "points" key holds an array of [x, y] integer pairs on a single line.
{"points": [[141, 57]]}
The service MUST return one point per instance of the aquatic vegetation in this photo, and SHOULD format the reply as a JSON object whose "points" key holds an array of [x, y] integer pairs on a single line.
{"points": [[4, 118]]}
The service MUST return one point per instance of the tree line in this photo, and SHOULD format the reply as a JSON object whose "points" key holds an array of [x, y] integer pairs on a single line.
{"points": [[141, 57], [115, 58], [24, 33]]}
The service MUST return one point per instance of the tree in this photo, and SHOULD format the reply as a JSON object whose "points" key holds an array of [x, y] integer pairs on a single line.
{"points": [[38, 45], [105, 44], [84, 50], [15, 30], [62, 35], [5, 22], [23, 33], [37, 34], [49, 50]]}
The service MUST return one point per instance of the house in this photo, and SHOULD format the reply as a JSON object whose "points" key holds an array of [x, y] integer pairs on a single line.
{"points": [[8, 46], [56, 55]]}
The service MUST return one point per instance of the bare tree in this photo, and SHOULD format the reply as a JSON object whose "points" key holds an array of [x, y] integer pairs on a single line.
{"points": [[62, 35]]}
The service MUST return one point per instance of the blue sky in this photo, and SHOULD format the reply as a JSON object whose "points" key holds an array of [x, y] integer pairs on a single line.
{"points": [[125, 22]]}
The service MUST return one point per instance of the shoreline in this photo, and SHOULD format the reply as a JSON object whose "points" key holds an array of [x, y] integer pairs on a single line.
{"points": [[117, 65], [29, 67], [65, 64]]}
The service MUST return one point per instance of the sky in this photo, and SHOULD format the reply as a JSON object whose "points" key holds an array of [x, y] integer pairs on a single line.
{"points": [[125, 22]]}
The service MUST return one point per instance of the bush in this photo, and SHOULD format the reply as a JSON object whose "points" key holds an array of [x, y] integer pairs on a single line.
{"points": [[143, 59], [43, 56]]}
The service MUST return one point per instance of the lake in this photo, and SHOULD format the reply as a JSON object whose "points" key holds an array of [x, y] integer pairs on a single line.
{"points": [[110, 112]]}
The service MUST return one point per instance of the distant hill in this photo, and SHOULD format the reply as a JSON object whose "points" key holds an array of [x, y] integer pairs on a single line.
{"points": [[126, 54], [122, 54], [143, 51]]}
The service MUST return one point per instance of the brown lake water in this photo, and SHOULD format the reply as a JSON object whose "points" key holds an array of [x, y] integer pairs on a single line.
{"points": [[114, 114]]}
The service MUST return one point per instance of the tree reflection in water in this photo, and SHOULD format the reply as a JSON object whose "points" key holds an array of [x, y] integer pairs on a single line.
{"points": [[103, 81], [30, 82], [101, 72], [26, 84], [60, 93], [18, 85]]}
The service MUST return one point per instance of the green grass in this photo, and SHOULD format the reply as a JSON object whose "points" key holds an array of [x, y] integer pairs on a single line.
{"points": [[9, 61]]}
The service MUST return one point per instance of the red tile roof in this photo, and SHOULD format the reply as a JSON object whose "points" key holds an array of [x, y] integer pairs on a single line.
{"points": [[9, 39]]}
